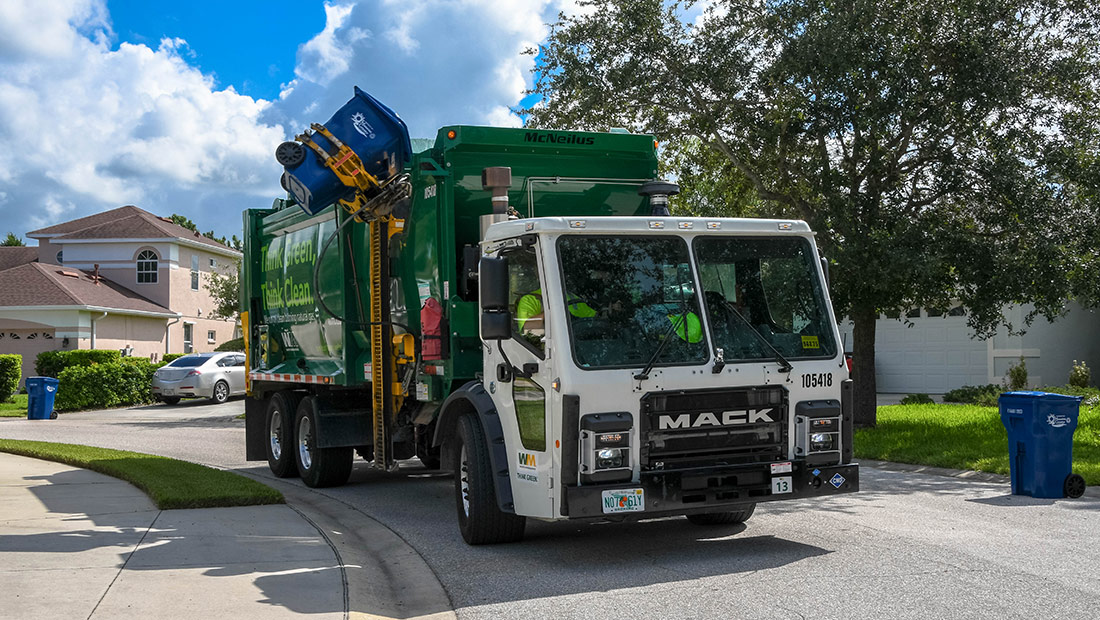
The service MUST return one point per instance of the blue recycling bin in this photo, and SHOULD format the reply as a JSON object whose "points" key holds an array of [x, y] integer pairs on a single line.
{"points": [[376, 134], [1040, 428], [40, 394]]}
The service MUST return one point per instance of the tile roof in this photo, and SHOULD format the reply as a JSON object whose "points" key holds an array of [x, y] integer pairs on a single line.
{"points": [[13, 256], [39, 284], [127, 222]]}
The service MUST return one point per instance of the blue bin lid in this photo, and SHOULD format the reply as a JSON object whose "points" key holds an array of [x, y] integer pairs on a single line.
{"points": [[1040, 395]]}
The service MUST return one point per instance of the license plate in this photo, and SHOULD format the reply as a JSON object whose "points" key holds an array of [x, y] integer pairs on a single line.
{"points": [[168, 392], [781, 484], [626, 500]]}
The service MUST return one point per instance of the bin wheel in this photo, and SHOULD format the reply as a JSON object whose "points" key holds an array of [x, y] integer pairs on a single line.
{"points": [[53, 416], [290, 154], [1074, 486]]}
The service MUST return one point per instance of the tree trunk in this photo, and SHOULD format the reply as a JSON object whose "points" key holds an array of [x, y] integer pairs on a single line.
{"points": [[863, 368]]}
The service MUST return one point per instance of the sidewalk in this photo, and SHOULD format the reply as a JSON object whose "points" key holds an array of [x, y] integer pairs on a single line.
{"points": [[77, 544]]}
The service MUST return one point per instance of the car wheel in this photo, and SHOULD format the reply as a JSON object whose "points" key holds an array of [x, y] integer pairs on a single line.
{"points": [[318, 467], [480, 520], [221, 392], [280, 434], [723, 518], [171, 400]]}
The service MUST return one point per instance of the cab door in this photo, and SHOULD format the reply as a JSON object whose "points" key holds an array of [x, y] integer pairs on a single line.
{"points": [[517, 371]]}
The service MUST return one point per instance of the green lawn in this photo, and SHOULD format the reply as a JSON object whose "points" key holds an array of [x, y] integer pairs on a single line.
{"points": [[17, 408], [168, 482], [964, 437]]}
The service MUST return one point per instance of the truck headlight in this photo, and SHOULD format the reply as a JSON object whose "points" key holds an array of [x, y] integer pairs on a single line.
{"points": [[609, 458], [822, 442]]}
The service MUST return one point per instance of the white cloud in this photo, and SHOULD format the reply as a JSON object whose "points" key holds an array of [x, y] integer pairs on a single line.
{"points": [[88, 127]]}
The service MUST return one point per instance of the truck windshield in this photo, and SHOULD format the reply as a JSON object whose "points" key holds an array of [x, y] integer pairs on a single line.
{"points": [[625, 295], [772, 284]]}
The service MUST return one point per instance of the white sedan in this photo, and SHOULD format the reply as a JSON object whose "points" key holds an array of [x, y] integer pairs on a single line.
{"points": [[216, 376]]}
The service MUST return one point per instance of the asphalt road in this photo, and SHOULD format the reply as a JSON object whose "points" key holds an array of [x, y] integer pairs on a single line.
{"points": [[907, 546]]}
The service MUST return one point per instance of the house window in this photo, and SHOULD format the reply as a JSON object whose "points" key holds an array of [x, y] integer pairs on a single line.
{"points": [[147, 267], [213, 263], [59, 255], [188, 333], [211, 337], [194, 272]]}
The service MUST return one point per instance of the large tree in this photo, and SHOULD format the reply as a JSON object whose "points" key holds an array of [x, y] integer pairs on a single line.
{"points": [[944, 150], [12, 240]]}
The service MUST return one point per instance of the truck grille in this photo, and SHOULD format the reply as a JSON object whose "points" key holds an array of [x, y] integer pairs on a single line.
{"points": [[699, 428]]}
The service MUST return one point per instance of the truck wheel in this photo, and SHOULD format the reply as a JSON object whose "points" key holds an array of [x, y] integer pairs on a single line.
{"points": [[318, 467], [280, 434], [479, 518], [1074, 486], [723, 518]]}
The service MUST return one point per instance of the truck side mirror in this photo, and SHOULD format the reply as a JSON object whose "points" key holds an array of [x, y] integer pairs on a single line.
{"points": [[493, 279], [496, 325]]}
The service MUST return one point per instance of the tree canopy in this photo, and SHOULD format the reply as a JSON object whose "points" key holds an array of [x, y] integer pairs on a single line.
{"points": [[943, 150], [12, 240]]}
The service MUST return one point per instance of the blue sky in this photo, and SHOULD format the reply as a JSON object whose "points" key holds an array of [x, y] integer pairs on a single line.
{"points": [[177, 107]]}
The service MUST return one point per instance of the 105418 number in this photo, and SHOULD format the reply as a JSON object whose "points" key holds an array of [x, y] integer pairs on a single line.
{"points": [[817, 379]]}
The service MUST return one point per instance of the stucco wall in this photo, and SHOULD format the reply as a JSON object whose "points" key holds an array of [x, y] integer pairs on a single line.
{"points": [[145, 335]]}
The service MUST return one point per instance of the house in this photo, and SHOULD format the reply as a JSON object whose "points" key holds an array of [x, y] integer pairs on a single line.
{"points": [[123, 279], [930, 351]]}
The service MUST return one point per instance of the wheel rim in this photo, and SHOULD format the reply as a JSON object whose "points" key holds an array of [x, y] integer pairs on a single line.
{"points": [[305, 439], [464, 481], [221, 391], [275, 434]]}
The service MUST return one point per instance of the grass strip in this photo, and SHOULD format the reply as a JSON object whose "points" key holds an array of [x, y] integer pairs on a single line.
{"points": [[964, 437], [168, 482], [17, 408]]}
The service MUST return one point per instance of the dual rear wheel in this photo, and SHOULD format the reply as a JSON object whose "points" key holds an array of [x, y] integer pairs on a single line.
{"points": [[292, 443]]}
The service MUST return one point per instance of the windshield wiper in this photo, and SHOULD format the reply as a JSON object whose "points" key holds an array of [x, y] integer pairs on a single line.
{"points": [[642, 376], [784, 365]]}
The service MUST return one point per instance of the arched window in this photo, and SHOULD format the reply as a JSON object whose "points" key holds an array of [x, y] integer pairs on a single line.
{"points": [[60, 255], [147, 267]]}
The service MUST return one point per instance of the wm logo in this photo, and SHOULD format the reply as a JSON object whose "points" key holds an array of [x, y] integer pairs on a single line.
{"points": [[527, 460]]}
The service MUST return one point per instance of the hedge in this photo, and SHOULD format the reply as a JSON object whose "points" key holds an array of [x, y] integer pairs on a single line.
{"points": [[234, 345], [99, 386], [11, 368], [170, 357], [51, 363]]}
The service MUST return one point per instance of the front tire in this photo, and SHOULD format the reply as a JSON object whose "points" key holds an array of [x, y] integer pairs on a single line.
{"points": [[723, 518], [318, 467], [221, 392], [480, 520], [279, 423]]}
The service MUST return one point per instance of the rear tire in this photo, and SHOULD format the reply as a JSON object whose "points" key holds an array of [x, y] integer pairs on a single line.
{"points": [[170, 400], [318, 467], [723, 518], [480, 519], [279, 423], [220, 393]]}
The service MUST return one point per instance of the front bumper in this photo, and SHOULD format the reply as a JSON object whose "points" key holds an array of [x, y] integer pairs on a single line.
{"points": [[712, 489]]}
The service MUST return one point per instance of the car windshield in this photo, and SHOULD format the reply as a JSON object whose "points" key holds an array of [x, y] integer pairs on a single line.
{"points": [[189, 361], [767, 284], [627, 295]]}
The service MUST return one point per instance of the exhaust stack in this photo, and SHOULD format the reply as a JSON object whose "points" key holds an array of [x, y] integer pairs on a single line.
{"points": [[496, 179]]}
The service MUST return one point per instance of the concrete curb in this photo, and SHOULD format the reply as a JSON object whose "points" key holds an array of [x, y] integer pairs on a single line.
{"points": [[383, 573], [966, 474]]}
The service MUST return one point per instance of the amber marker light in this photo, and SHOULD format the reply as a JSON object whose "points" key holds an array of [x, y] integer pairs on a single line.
{"points": [[451, 134], [654, 145]]}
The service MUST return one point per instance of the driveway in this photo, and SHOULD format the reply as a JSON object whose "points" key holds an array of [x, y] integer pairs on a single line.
{"points": [[908, 546]]}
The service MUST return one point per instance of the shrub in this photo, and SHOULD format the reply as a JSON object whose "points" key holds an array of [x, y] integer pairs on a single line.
{"points": [[11, 368], [917, 399], [168, 357], [1016, 378], [984, 395], [51, 363], [1079, 375], [237, 344], [98, 386]]}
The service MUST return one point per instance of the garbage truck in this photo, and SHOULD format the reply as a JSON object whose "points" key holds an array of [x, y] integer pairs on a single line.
{"points": [[519, 307]]}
